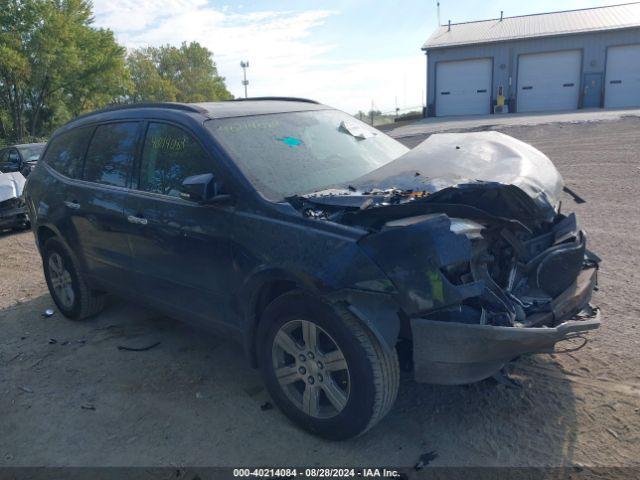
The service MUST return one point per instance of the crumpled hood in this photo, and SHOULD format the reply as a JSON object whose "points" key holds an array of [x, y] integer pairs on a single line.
{"points": [[449, 159], [11, 185]]}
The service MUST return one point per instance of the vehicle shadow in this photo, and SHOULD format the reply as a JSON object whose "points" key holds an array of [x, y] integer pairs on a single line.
{"points": [[189, 398]]}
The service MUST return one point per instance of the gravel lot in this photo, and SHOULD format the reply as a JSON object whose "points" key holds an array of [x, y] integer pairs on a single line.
{"points": [[68, 396]]}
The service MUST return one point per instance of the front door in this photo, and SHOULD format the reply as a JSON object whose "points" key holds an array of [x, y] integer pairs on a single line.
{"points": [[592, 90], [181, 250]]}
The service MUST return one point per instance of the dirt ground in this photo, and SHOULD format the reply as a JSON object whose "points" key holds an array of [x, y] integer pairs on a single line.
{"points": [[68, 396]]}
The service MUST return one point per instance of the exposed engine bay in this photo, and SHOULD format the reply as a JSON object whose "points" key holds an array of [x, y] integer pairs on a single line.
{"points": [[468, 228]]}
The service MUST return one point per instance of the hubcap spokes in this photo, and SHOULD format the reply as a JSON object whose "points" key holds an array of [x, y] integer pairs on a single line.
{"points": [[311, 369], [61, 280]]}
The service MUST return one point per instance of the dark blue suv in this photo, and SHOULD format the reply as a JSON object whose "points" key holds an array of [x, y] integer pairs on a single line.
{"points": [[325, 247]]}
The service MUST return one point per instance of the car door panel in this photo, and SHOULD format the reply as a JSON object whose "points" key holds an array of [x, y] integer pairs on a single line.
{"points": [[182, 255], [181, 250], [97, 203]]}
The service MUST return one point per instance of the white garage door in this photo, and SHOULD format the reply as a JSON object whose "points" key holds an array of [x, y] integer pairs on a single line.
{"points": [[549, 81], [622, 83], [463, 88]]}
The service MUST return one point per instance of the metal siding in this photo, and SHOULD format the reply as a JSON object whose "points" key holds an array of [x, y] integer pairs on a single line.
{"points": [[540, 25], [594, 47]]}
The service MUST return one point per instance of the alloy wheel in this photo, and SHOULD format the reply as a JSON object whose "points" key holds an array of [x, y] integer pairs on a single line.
{"points": [[61, 281], [311, 369]]}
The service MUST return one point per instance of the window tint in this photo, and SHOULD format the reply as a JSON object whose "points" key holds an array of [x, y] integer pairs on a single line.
{"points": [[110, 155], [170, 155], [66, 151], [4, 161]]}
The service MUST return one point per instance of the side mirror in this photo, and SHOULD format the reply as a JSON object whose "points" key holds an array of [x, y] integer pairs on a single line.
{"points": [[202, 189]]}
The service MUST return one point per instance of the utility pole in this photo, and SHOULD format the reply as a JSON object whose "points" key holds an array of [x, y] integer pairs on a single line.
{"points": [[438, 3], [371, 113], [245, 82]]}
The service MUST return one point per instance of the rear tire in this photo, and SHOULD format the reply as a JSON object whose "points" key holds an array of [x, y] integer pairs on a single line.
{"points": [[67, 285], [365, 371]]}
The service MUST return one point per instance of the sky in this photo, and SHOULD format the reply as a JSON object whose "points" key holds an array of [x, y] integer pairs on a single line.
{"points": [[349, 53]]}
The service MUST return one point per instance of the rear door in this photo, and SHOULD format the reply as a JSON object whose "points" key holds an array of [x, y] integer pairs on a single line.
{"points": [[98, 202], [55, 193], [549, 81], [463, 87], [181, 250]]}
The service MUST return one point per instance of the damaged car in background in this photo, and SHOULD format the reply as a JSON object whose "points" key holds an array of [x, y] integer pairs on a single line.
{"points": [[13, 212], [325, 247]]}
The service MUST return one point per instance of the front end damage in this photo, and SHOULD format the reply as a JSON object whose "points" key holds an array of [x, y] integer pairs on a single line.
{"points": [[13, 212], [485, 270]]}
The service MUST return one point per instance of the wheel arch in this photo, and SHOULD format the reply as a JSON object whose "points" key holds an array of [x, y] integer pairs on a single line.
{"points": [[378, 312], [44, 233], [263, 288]]}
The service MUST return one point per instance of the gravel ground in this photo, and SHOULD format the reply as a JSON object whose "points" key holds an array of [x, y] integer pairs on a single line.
{"points": [[68, 396]]}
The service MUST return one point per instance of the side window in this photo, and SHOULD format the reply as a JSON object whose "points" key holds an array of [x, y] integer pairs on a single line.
{"points": [[4, 157], [9, 160], [111, 153], [66, 151], [170, 155]]}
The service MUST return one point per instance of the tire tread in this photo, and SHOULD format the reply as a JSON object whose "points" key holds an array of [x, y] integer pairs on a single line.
{"points": [[384, 363]]}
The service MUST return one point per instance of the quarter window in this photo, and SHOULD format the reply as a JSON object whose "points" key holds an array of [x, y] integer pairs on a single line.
{"points": [[111, 153], [66, 151], [170, 155]]}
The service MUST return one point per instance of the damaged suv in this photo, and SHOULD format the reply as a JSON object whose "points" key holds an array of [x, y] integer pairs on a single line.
{"points": [[321, 244]]}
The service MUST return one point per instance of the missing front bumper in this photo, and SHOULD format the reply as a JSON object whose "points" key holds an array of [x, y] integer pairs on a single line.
{"points": [[452, 353]]}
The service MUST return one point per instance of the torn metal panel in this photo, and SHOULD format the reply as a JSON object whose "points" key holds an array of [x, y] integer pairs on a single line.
{"points": [[448, 159], [413, 255], [451, 353]]}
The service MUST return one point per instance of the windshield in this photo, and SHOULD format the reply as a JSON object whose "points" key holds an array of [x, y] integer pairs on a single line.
{"points": [[31, 153], [301, 152]]}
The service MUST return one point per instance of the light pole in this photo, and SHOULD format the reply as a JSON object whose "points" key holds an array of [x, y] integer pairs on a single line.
{"points": [[245, 82]]}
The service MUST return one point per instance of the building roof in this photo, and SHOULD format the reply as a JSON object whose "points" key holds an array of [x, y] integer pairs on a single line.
{"points": [[539, 25]]}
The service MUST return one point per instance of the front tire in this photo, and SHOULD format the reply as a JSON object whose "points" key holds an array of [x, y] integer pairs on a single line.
{"points": [[67, 285], [324, 369]]}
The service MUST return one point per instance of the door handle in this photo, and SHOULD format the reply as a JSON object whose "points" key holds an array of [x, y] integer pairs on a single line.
{"points": [[72, 204], [136, 220]]}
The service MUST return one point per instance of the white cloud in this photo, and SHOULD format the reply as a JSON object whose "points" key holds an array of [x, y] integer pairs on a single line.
{"points": [[286, 57]]}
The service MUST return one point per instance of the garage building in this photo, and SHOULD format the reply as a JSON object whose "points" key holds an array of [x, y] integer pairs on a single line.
{"points": [[586, 58]]}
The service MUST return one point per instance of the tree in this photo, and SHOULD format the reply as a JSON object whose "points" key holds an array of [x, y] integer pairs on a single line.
{"points": [[168, 73], [148, 84], [54, 65]]}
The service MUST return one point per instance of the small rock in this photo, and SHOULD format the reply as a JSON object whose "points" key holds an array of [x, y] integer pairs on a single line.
{"points": [[266, 406], [88, 406], [48, 313]]}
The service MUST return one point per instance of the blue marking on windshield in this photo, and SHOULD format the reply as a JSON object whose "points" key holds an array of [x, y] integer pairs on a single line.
{"points": [[290, 141]]}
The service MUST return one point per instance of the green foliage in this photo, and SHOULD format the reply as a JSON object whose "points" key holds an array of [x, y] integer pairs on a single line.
{"points": [[167, 73], [55, 65]]}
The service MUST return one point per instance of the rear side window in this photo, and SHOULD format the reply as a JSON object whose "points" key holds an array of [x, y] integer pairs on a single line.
{"points": [[111, 153], [66, 151], [169, 156]]}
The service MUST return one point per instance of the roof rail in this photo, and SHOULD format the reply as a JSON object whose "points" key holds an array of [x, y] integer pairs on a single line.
{"points": [[281, 99], [126, 106]]}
